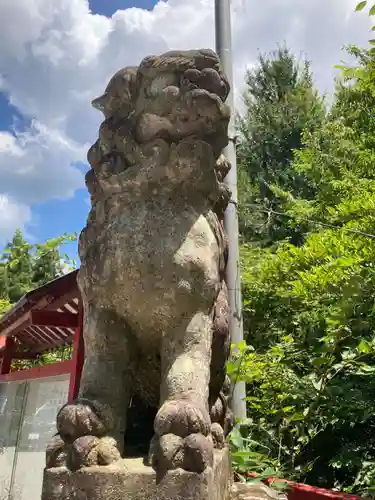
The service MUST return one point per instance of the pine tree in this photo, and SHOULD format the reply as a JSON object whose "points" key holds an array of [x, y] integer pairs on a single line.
{"points": [[280, 102]]}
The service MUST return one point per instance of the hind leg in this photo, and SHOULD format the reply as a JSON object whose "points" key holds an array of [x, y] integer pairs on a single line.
{"points": [[91, 429], [219, 389]]}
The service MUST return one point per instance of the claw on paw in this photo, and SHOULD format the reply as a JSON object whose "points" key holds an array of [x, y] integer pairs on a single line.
{"points": [[56, 453], [199, 453], [218, 436]]}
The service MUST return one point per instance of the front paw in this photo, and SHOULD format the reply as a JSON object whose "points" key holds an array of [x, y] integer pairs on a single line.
{"points": [[182, 417], [85, 451], [81, 418], [193, 453], [182, 437], [88, 451]]}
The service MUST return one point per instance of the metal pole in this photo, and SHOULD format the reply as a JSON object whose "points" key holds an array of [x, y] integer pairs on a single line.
{"points": [[224, 50], [12, 493]]}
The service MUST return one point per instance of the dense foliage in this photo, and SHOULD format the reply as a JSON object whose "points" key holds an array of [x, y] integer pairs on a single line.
{"points": [[309, 310], [24, 267]]}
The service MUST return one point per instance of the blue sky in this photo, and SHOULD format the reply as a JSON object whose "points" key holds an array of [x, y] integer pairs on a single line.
{"points": [[54, 217], [109, 7]]}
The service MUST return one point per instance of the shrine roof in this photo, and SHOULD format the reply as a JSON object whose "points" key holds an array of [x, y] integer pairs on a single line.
{"points": [[44, 318]]}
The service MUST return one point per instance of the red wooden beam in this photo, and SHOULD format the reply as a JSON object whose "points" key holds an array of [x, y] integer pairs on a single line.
{"points": [[18, 325], [31, 336], [6, 360], [25, 355], [78, 358], [55, 289], [51, 370], [43, 317]]}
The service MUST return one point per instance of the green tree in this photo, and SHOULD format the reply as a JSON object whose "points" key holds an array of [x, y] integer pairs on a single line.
{"points": [[363, 71], [4, 285], [5, 305], [24, 267], [309, 310], [280, 103], [16, 268], [49, 262], [363, 4]]}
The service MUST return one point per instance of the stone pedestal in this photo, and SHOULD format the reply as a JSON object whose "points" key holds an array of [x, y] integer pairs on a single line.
{"points": [[255, 491], [130, 479]]}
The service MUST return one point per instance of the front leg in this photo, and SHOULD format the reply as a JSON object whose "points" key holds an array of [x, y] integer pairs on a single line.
{"points": [[182, 425], [91, 429]]}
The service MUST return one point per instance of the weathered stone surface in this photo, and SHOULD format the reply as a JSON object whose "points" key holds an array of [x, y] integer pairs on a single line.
{"points": [[255, 491], [130, 479], [153, 257]]}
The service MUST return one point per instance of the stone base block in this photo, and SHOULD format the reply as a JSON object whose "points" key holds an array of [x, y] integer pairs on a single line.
{"points": [[255, 491], [130, 479]]}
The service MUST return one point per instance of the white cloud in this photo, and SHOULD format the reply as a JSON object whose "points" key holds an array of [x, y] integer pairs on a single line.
{"points": [[55, 56], [13, 215], [36, 165]]}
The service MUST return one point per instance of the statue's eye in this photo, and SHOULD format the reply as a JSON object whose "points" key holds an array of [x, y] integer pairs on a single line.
{"points": [[158, 84]]}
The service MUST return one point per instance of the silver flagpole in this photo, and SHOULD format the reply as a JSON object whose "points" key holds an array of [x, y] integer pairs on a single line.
{"points": [[224, 50]]}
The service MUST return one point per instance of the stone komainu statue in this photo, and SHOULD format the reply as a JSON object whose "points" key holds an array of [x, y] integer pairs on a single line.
{"points": [[153, 258]]}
